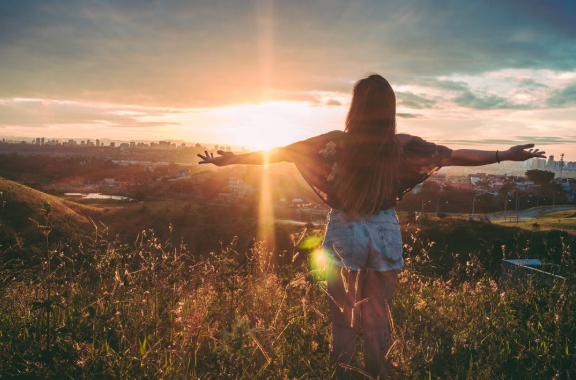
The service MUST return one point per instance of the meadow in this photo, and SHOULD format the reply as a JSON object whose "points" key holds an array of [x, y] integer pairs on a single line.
{"points": [[557, 220], [150, 308]]}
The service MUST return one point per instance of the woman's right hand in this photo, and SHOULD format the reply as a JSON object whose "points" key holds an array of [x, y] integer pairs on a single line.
{"points": [[522, 153], [223, 159]]}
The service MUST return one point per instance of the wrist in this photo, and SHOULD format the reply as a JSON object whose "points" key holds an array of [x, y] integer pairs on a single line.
{"points": [[504, 155]]}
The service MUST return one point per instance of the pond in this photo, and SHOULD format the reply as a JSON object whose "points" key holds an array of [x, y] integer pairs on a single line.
{"points": [[98, 196]]}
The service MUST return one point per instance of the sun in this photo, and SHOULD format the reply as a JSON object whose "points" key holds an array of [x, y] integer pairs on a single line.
{"points": [[267, 125]]}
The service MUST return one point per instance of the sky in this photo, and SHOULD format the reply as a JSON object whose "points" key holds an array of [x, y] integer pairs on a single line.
{"points": [[262, 73]]}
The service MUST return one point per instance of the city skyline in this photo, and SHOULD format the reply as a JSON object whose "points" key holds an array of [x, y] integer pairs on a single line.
{"points": [[266, 73], [550, 163], [208, 145]]}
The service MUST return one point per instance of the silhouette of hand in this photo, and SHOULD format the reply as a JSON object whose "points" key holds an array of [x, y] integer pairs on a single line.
{"points": [[523, 153], [221, 160]]}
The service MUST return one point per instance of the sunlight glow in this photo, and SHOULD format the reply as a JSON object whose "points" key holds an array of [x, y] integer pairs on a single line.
{"points": [[266, 231], [268, 125]]}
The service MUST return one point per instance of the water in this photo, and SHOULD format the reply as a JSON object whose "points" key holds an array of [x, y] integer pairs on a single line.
{"points": [[98, 196]]}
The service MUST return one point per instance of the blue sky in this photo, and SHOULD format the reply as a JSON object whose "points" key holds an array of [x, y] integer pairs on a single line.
{"points": [[260, 73]]}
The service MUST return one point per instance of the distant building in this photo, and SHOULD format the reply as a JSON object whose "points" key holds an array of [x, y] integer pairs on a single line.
{"points": [[110, 182], [238, 188], [164, 145], [473, 178], [538, 163], [439, 177]]}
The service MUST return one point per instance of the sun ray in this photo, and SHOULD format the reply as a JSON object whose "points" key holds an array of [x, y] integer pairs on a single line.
{"points": [[265, 208]]}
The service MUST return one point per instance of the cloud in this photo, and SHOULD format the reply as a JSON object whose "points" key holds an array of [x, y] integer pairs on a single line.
{"points": [[563, 97], [442, 84], [333, 102], [545, 140], [486, 102], [405, 115], [36, 113], [200, 54], [411, 100], [530, 83], [515, 140]]}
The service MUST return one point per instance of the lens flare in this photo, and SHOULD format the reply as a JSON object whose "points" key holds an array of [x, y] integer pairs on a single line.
{"points": [[319, 263]]}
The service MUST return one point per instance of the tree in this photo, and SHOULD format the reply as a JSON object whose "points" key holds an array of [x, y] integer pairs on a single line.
{"points": [[540, 177], [505, 189]]}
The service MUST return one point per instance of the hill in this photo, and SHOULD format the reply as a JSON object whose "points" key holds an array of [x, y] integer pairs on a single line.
{"points": [[20, 205]]}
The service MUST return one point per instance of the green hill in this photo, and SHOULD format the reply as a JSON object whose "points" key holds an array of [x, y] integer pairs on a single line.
{"points": [[19, 204]]}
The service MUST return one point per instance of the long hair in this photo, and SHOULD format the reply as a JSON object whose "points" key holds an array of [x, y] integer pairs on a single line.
{"points": [[367, 179]]}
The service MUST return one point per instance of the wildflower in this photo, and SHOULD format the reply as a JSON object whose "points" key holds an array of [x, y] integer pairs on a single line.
{"points": [[314, 345]]}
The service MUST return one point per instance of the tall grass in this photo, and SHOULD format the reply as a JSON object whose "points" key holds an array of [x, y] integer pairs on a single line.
{"points": [[152, 309]]}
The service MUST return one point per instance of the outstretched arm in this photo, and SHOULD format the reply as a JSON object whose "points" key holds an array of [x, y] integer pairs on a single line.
{"points": [[473, 157], [262, 157]]}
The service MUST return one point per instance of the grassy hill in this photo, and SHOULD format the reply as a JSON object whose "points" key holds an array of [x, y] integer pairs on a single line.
{"points": [[19, 204]]}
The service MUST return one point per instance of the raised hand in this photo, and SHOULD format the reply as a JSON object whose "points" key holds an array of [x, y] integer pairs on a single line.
{"points": [[224, 158], [523, 153]]}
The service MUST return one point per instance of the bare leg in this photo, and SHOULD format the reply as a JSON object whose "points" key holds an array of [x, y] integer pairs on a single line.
{"points": [[342, 287], [378, 290]]}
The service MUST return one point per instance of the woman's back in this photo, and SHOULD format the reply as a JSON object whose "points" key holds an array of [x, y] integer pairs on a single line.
{"points": [[319, 160]]}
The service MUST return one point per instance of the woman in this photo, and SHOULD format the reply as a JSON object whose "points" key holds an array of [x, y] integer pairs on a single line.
{"points": [[361, 173]]}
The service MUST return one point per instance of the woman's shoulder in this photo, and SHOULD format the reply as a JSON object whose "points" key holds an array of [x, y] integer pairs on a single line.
{"points": [[404, 138], [416, 144], [326, 142], [335, 136], [414, 147]]}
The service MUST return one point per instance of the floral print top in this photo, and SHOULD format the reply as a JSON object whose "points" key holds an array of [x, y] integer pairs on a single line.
{"points": [[317, 161]]}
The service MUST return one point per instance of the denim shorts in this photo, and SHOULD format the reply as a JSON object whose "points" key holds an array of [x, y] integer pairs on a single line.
{"points": [[364, 241]]}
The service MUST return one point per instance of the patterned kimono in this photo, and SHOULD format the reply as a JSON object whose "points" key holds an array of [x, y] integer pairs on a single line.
{"points": [[359, 241], [317, 161]]}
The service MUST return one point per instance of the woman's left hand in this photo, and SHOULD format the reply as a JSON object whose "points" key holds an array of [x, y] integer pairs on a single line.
{"points": [[224, 158], [522, 153]]}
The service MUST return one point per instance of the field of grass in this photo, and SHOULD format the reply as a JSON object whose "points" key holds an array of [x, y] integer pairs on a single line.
{"points": [[152, 309], [557, 220]]}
